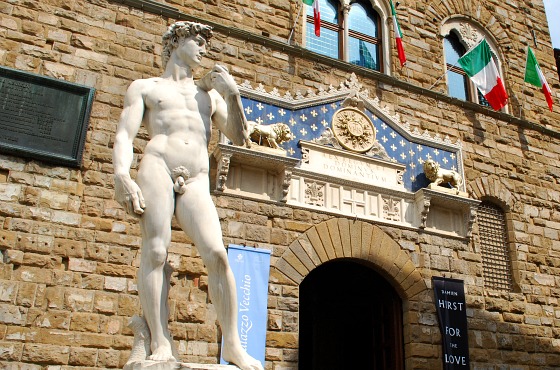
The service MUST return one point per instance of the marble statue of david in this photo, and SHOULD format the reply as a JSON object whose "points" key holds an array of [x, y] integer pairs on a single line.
{"points": [[173, 179]]}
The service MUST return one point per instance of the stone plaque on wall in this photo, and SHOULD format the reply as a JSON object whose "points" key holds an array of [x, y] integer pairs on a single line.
{"points": [[43, 118]]}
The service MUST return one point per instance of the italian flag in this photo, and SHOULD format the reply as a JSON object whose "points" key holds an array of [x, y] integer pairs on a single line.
{"points": [[480, 67], [316, 15], [534, 76], [398, 35]]}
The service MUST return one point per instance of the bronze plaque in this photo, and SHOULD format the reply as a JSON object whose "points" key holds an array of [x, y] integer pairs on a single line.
{"points": [[43, 118]]}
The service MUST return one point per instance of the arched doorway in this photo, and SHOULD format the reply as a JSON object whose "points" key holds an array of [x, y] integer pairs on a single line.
{"points": [[350, 318]]}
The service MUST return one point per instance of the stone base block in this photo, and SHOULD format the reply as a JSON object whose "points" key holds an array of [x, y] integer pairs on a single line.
{"points": [[443, 189], [159, 365], [268, 150]]}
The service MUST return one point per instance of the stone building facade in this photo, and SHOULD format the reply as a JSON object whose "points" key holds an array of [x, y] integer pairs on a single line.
{"points": [[69, 253]]}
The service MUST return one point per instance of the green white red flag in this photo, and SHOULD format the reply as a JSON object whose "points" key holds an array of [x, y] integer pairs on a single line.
{"points": [[316, 15], [398, 35], [534, 76], [479, 65]]}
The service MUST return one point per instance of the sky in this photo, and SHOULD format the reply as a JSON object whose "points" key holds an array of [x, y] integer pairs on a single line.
{"points": [[552, 8]]}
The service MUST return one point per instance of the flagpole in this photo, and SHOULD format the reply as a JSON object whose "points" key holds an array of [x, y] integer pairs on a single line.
{"points": [[523, 90], [295, 23], [407, 72], [440, 77]]}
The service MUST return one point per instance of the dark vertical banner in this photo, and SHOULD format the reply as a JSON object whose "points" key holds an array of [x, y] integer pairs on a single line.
{"points": [[251, 267], [452, 313]]}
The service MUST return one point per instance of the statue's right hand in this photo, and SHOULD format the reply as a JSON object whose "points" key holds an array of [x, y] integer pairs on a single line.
{"points": [[129, 195]]}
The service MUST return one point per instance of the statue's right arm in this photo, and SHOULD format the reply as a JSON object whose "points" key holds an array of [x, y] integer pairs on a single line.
{"points": [[127, 192]]}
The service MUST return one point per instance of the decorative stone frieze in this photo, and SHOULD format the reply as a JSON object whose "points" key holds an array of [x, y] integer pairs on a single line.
{"points": [[356, 159]]}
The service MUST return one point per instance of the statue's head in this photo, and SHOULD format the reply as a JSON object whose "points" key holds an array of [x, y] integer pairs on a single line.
{"points": [[179, 30]]}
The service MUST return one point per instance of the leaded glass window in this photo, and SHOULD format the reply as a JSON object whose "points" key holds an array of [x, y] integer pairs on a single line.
{"points": [[363, 44], [363, 39], [331, 32]]}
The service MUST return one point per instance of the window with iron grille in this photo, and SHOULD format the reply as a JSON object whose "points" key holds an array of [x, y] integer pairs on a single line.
{"points": [[495, 252]]}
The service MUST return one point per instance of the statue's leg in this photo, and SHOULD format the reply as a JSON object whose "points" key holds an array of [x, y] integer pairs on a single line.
{"points": [[155, 224], [197, 216]]}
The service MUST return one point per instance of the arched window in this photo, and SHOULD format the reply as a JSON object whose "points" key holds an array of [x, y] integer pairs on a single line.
{"points": [[458, 37], [352, 33], [496, 261]]}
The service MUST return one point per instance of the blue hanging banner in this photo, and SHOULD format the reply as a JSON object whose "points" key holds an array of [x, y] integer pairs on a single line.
{"points": [[251, 267]]}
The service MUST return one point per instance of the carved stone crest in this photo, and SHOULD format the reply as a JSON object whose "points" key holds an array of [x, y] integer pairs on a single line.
{"points": [[353, 130], [469, 34]]}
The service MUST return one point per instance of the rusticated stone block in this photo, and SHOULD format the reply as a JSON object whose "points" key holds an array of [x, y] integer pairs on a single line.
{"points": [[82, 357], [108, 358], [8, 291], [128, 305], [45, 354], [12, 315], [78, 300], [81, 321], [191, 312], [281, 340], [107, 303], [10, 351]]}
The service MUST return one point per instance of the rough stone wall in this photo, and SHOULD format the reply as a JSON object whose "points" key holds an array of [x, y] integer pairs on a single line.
{"points": [[69, 253]]}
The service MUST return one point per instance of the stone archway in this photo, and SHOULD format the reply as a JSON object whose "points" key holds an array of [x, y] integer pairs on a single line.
{"points": [[340, 239], [344, 238], [492, 188]]}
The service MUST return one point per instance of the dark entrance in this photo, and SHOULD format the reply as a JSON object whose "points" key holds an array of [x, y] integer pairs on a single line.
{"points": [[350, 318]]}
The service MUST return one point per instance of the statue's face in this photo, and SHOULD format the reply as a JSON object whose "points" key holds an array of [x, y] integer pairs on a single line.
{"points": [[191, 50]]}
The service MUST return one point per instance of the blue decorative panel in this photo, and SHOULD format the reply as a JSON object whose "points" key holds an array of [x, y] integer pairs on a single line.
{"points": [[311, 115]]}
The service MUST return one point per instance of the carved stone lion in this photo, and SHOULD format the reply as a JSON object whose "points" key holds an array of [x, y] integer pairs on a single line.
{"points": [[269, 135], [439, 175]]}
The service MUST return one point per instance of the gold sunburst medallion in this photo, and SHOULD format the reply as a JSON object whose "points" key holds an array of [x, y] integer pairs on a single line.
{"points": [[353, 130]]}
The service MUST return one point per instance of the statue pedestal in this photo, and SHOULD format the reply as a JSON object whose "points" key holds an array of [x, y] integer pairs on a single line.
{"points": [[160, 365]]}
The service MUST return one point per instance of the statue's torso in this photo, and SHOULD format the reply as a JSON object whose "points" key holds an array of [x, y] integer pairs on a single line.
{"points": [[178, 120]]}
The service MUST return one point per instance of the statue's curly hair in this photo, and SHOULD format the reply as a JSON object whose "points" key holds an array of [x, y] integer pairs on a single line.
{"points": [[179, 30]]}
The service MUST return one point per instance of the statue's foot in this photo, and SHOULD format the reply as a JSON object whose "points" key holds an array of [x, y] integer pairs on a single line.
{"points": [[162, 353], [241, 359]]}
